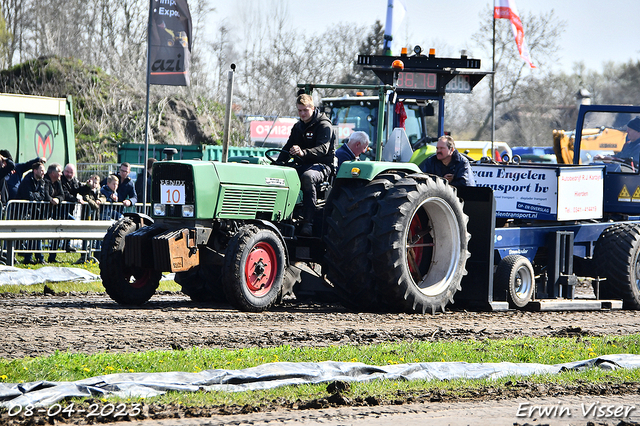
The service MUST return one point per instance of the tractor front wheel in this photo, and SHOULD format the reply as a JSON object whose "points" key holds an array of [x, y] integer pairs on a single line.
{"points": [[125, 284], [254, 269]]}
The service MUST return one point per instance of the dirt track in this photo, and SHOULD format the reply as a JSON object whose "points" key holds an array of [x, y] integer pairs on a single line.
{"points": [[39, 325], [36, 325]]}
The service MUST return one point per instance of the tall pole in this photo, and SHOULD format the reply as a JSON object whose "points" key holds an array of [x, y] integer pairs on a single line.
{"points": [[388, 30], [146, 121], [227, 116], [493, 89]]}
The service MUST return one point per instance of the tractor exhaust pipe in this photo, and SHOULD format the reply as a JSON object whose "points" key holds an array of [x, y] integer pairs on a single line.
{"points": [[227, 117]]}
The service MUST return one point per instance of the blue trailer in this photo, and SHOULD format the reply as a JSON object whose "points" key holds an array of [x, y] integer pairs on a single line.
{"points": [[539, 229]]}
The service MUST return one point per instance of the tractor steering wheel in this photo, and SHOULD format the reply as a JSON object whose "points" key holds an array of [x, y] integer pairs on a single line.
{"points": [[295, 159]]}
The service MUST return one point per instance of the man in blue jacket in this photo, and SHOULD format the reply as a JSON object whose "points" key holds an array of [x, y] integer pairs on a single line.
{"points": [[350, 151], [126, 190], [449, 164]]}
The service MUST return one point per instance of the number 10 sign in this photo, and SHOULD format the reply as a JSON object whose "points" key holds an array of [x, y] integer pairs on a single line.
{"points": [[172, 193]]}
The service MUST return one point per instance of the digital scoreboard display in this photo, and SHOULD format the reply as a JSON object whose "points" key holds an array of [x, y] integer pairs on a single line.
{"points": [[417, 81]]}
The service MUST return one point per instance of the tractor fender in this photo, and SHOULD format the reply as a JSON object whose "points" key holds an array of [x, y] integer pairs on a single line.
{"points": [[278, 233], [140, 218]]}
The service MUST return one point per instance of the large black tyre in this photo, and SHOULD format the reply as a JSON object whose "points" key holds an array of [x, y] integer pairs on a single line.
{"points": [[125, 285], [617, 254], [515, 276], [254, 267], [348, 256], [203, 283], [420, 242]]}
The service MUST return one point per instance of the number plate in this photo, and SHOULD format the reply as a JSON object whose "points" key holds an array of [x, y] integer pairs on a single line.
{"points": [[172, 192]]}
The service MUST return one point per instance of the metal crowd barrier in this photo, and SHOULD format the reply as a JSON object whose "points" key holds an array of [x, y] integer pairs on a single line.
{"points": [[35, 227]]}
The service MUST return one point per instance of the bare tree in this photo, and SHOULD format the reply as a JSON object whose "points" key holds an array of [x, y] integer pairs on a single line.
{"points": [[542, 33]]}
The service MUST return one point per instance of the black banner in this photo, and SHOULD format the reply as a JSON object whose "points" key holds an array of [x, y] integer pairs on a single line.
{"points": [[169, 42]]}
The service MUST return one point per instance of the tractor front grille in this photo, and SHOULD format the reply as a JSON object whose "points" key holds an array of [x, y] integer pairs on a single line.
{"points": [[239, 201]]}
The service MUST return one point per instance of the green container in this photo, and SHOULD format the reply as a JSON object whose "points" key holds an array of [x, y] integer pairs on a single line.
{"points": [[38, 126], [214, 152], [133, 153]]}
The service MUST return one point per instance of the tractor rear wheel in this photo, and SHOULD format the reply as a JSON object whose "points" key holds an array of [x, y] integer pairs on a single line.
{"points": [[420, 244], [515, 276], [348, 243], [254, 269], [617, 254], [125, 284]]}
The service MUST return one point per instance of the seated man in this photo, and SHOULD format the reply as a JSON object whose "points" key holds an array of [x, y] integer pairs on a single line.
{"points": [[350, 151], [311, 143], [449, 164]]}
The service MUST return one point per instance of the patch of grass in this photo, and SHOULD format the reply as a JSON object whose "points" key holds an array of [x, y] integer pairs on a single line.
{"points": [[68, 260], [65, 366]]}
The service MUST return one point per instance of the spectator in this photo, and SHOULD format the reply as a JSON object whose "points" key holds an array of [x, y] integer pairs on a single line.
{"points": [[126, 191], [449, 164], [6, 168], [70, 184], [94, 199], [32, 189], [91, 194], [14, 179], [350, 151], [110, 192], [54, 193], [32, 186], [140, 180]]}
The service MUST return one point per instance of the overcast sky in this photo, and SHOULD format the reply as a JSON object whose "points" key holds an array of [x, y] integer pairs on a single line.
{"points": [[597, 30]]}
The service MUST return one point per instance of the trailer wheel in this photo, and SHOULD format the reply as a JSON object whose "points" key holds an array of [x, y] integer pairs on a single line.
{"points": [[420, 244], [348, 244], [254, 269], [202, 284], [515, 276], [124, 284], [617, 254]]}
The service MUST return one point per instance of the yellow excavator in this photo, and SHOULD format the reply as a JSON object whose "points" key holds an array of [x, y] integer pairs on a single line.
{"points": [[602, 140]]}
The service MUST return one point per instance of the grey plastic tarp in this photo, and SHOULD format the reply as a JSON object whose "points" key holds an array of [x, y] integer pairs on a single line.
{"points": [[273, 375], [18, 276]]}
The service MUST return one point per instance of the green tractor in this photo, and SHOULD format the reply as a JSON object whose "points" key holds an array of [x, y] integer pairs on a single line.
{"points": [[386, 237]]}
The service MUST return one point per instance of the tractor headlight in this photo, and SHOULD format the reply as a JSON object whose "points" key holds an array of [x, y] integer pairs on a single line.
{"points": [[159, 209], [188, 210]]}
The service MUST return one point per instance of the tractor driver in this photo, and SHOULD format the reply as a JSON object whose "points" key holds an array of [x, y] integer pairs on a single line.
{"points": [[449, 164], [311, 143]]}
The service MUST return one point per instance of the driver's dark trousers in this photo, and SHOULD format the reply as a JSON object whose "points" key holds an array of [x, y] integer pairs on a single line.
{"points": [[310, 177]]}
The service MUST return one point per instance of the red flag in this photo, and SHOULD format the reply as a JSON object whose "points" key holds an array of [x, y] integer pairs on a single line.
{"points": [[506, 9]]}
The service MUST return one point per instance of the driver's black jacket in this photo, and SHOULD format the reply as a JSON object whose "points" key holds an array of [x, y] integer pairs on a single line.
{"points": [[316, 139]]}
